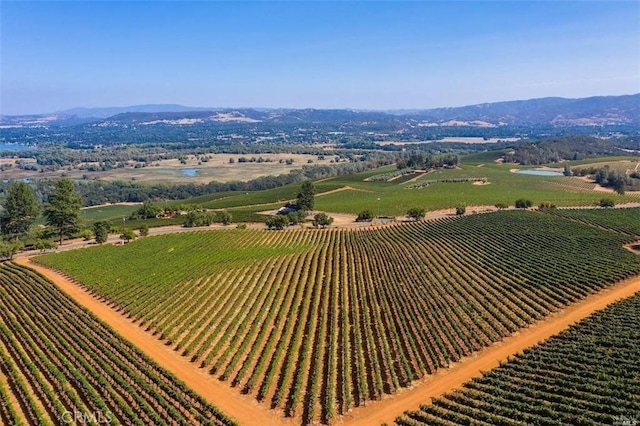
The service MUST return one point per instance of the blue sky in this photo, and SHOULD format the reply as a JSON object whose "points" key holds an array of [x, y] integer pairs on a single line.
{"points": [[316, 54]]}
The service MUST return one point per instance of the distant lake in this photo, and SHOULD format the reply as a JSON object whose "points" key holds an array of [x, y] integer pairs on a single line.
{"points": [[540, 172], [189, 172], [14, 147]]}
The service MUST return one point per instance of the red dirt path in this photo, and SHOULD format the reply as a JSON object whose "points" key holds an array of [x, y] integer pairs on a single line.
{"points": [[243, 409], [247, 411], [484, 360]]}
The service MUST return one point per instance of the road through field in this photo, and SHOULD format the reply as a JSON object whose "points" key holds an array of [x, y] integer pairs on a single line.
{"points": [[447, 380], [243, 409], [247, 411]]}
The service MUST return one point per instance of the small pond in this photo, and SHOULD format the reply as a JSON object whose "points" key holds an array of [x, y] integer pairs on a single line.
{"points": [[539, 172], [189, 172]]}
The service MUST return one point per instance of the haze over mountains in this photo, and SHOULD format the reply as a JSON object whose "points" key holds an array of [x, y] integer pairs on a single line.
{"points": [[592, 111]]}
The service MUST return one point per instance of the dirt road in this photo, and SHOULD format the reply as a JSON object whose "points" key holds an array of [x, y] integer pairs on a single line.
{"points": [[245, 410], [447, 380]]}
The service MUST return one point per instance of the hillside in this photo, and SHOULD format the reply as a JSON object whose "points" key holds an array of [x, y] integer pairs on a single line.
{"points": [[592, 111]]}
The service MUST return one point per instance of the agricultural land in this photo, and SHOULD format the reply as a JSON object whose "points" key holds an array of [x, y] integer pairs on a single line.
{"points": [[317, 323]]}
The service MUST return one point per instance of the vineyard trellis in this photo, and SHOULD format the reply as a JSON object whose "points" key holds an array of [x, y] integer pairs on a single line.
{"points": [[316, 322], [62, 364], [585, 375]]}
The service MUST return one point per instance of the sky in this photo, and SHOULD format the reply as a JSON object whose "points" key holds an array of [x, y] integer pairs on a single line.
{"points": [[313, 54]]}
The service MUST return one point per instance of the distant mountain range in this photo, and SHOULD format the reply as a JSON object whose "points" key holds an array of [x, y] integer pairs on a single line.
{"points": [[559, 112]]}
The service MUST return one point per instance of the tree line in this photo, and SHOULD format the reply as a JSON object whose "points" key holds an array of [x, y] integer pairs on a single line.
{"points": [[21, 208]]}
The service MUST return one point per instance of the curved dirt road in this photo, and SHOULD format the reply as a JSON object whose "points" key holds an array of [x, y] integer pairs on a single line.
{"points": [[248, 412], [447, 380], [243, 409]]}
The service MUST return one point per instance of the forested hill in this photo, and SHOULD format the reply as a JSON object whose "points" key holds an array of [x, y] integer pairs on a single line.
{"points": [[555, 112]]}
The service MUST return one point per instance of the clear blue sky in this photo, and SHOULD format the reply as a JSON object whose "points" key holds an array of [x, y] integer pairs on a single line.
{"points": [[318, 54]]}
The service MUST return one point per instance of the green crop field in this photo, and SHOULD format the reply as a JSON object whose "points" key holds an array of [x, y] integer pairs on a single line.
{"points": [[59, 365], [435, 190], [316, 322], [587, 375], [112, 213], [626, 221]]}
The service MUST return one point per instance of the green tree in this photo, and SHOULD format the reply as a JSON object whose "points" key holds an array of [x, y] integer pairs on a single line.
{"points": [[305, 198], [277, 222], [63, 210], [21, 208], [128, 235], [461, 209], [365, 216], [144, 230], [101, 230], [416, 213], [322, 220], [223, 217], [147, 211], [297, 217], [8, 249], [607, 203], [44, 245], [523, 203]]}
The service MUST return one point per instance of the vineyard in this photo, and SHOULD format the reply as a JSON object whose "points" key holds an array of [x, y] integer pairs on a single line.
{"points": [[586, 375], [625, 221], [60, 364], [315, 322]]}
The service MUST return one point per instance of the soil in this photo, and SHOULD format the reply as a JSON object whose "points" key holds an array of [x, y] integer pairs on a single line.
{"points": [[447, 380], [243, 409]]}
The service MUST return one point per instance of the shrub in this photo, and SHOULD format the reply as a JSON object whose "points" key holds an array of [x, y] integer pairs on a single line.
{"points": [[523, 203], [416, 213], [607, 203], [364, 216]]}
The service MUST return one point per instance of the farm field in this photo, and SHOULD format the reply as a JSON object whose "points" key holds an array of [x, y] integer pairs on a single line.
{"points": [[60, 365], [325, 320], [587, 375], [193, 170], [626, 221], [438, 189]]}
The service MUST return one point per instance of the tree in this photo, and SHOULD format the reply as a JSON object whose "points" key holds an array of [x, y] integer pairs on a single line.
{"points": [[223, 217], [101, 230], [322, 220], [198, 218], [607, 203], [147, 211], [502, 206], [305, 198], [44, 245], [277, 222], [8, 249], [461, 209], [567, 170], [63, 210], [297, 217], [128, 235], [523, 204], [365, 216], [416, 213], [144, 230], [21, 208]]}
